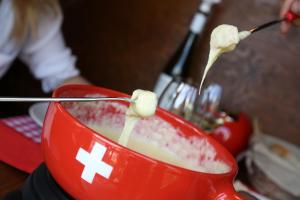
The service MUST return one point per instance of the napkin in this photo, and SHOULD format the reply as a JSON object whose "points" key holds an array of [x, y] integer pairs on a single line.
{"points": [[20, 143]]}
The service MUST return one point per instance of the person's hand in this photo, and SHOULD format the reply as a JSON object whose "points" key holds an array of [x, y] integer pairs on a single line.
{"points": [[293, 5], [76, 80]]}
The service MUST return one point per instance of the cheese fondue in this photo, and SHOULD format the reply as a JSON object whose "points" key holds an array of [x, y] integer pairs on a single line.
{"points": [[147, 134], [180, 153], [143, 146], [224, 38]]}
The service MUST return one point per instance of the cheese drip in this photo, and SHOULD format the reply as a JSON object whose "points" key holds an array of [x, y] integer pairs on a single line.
{"points": [[224, 38], [144, 105]]}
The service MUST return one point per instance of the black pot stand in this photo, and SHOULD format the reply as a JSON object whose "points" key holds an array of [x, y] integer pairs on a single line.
{"points": [[40, 185]]}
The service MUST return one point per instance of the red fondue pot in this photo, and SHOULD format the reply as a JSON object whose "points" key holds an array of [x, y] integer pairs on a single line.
{"points": [[90, 166]]}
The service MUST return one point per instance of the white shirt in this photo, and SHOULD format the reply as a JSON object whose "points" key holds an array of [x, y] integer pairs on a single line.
{"points": [[45, 53]]}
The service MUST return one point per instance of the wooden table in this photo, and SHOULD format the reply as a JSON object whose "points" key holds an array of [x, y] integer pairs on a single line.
{"points": [[10, 179]]}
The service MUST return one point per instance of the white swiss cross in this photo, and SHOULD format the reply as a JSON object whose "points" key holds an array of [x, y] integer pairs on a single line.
{"points": [[93, 163]]}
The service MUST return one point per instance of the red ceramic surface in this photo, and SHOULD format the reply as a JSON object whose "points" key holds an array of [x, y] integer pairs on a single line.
{"points": [[234, 135], [128, 175]]}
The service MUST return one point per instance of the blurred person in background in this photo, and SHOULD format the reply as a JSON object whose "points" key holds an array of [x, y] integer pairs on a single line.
{"points": [[293, 5], [31, 30]]}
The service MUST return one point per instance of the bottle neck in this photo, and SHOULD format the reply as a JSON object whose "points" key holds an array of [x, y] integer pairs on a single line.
{"points": [[195, 29], [177, 67], [198, 22], [185, 52]]}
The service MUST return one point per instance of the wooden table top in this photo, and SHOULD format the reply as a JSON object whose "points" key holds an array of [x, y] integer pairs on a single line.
{"points": [[10, 179]]}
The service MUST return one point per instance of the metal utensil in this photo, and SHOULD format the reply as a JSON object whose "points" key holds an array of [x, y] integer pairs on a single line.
{"points": [[289, 17], [63, 99], [266, 25]]}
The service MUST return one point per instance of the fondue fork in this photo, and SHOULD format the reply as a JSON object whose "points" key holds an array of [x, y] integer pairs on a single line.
{"points": [[266, 25], [288, 17], [63, 99]]}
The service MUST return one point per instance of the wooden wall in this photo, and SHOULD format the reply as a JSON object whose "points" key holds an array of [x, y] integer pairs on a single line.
{"points": [[124, 45]]}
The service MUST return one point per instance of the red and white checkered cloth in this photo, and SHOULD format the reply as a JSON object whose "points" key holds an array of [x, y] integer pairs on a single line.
{"points": [[25, 125]]}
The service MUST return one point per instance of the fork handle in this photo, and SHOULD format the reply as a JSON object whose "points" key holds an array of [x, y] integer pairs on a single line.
{"points": [[290, 16]]}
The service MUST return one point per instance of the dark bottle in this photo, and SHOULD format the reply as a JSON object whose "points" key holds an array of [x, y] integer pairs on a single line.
{"points": [[178, 67]]}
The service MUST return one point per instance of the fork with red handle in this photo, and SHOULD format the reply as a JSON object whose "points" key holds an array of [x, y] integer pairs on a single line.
{"points": [[289, 17]]}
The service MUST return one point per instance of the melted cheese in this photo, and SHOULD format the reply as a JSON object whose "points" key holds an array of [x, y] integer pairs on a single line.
{"points": [[224, 38], [144, 105]]}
